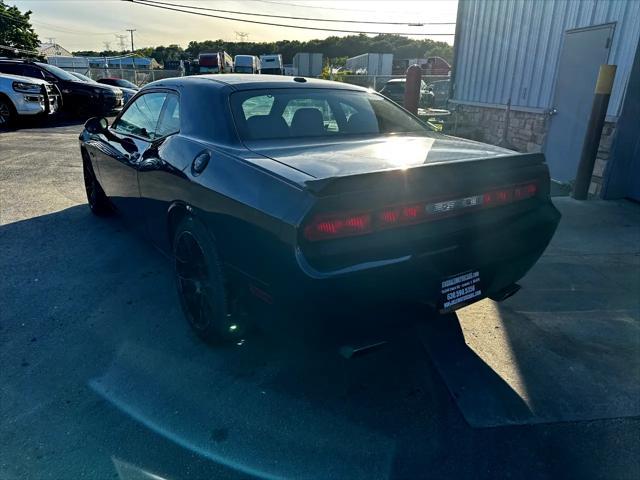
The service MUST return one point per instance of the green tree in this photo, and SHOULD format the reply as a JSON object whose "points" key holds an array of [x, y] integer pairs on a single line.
{"points": [[16, 31], [336, 49]]}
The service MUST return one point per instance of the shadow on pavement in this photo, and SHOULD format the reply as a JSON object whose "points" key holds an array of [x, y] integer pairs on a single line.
{"points": [[98, 365]]}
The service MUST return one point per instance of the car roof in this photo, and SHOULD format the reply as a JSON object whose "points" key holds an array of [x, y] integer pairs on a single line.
{"points": [[253, 82], [16, 60], [22, 78]]}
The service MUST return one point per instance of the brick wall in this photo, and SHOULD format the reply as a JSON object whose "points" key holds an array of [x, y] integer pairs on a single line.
{"points": [[526, 133]]}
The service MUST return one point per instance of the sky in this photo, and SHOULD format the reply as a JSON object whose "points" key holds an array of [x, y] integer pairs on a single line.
{"points": [[88, 24]]}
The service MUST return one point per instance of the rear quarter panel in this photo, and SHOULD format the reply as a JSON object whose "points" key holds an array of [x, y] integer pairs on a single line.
{"points": [[250, 212]]}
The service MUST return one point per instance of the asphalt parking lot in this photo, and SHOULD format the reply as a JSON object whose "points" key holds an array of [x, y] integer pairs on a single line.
{"points": [[101, 378]]}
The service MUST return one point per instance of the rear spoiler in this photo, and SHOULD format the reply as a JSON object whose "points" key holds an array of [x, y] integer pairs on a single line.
{"points": [[458, 173]]}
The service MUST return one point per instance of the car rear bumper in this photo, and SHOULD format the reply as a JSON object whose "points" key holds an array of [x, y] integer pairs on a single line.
{"points": [[501, 256]]}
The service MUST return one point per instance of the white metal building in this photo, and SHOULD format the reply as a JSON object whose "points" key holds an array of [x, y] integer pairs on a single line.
{"points": [[542, 59], [53, 49]]}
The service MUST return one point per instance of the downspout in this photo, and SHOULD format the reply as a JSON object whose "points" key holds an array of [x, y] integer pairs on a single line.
{"points": [[456, 45]]}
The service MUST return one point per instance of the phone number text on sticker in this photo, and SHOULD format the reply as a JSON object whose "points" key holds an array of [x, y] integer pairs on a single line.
{"points": [[460, 289]]}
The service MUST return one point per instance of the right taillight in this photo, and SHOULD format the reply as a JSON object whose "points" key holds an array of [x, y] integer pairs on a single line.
{"points": [[336, 225]]}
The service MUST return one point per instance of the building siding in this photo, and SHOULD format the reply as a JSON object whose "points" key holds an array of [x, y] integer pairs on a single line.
{"points": [[509, 50]]}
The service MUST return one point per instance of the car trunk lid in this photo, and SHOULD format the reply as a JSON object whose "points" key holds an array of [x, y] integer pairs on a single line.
{"points": [[328, 158]]}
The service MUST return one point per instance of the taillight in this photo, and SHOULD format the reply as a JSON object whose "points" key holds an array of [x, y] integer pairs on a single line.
{"points": [[333, 226], [402, 215], [329, 226]]}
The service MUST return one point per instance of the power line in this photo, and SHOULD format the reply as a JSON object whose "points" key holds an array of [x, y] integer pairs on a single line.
{"points": [[162, 7], [323, 7], [52, 27], [69, 30], [14, 19], [310, 19]]}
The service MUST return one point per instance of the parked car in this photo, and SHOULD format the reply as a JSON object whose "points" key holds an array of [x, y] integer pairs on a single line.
{"points": [[77, 96], [441, 92], [24, 96], [118, 82], [127, 93], [394, 90], [307, 190]]}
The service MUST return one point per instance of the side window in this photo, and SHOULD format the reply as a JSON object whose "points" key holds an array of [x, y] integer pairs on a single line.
{"points": [[10, 68], [170, 119], [141, 117], [31, 71], [260, 105]]}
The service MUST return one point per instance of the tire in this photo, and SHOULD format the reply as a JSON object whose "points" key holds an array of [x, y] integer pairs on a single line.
{"points": [[96, 198], [7, 113], [204, 293]]}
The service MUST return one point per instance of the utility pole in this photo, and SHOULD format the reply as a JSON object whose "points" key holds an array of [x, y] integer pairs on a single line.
{"points": [[131, 30], [241, 36], [107, 46], [121, 41]]}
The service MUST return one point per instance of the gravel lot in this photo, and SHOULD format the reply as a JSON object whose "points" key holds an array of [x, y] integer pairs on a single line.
{"points": [[101, 378]]}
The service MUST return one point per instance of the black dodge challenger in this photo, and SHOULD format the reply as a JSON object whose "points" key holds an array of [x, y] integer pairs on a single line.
{"points": [[301, 190]]}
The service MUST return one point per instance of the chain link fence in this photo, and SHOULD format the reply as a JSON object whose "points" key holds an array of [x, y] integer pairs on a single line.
{"points": [[376, 82], [139, 77]]}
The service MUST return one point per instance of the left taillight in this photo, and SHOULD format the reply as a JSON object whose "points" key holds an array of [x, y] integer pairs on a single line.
{"points": [[338, 225], [334, 226]]}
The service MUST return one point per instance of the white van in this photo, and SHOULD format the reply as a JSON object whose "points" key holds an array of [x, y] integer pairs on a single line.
{"points": [[271, 65], [246, 64]]}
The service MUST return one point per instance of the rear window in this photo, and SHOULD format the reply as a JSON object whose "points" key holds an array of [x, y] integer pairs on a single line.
{"points": [[299, 113]]}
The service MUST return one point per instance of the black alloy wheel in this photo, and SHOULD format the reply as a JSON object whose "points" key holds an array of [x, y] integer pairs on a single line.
{"points": [[7, 113], [202, 288], [96, 198]]}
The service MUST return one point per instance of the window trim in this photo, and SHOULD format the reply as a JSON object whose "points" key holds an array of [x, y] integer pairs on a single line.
{"points": [[162, 112], [135, 97]]}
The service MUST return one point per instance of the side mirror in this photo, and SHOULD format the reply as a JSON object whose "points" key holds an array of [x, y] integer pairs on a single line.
{"points": [[96, 125], [129, 145]]}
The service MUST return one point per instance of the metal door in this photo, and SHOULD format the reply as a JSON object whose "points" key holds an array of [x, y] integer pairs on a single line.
{"points": [[583, 51]]}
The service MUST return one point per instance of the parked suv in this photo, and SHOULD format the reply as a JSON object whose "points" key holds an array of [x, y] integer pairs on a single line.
{"points": [[127, 93], [77, 96], [25, 96]]}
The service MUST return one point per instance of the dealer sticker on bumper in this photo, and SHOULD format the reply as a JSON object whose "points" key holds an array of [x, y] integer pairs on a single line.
{"points": [[459, 289]]}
